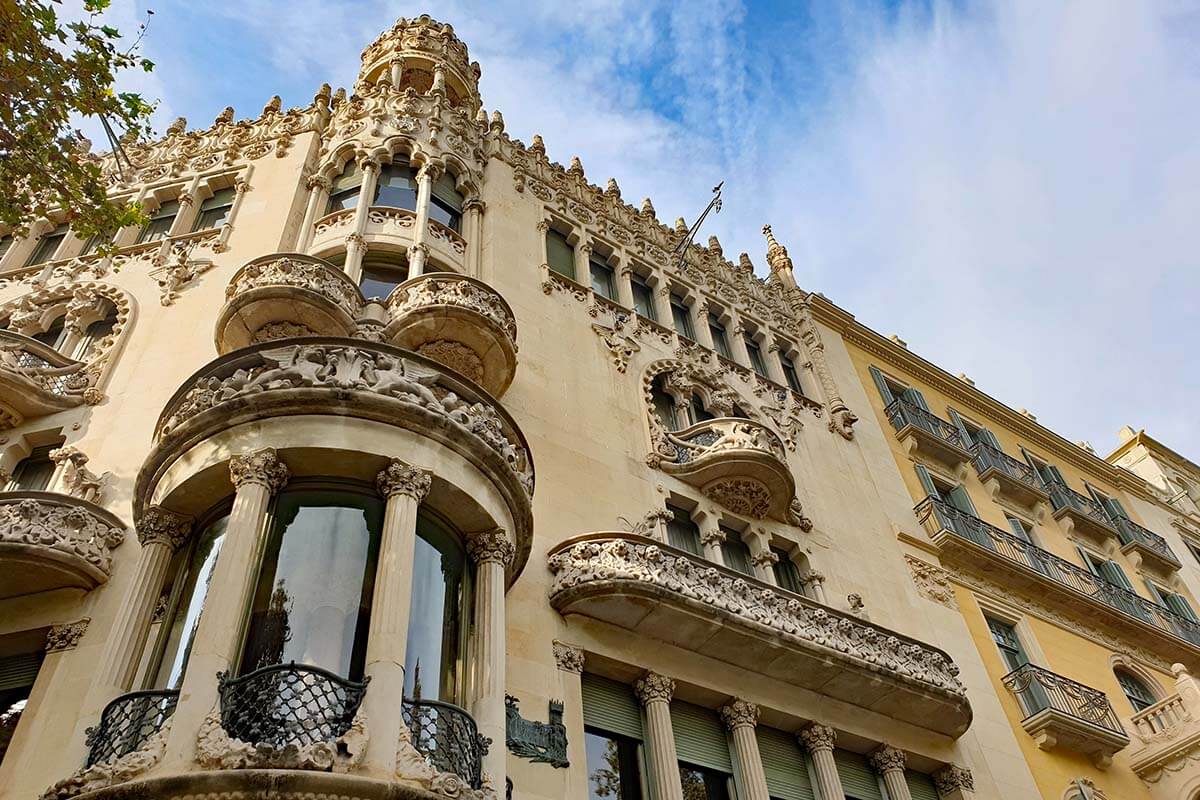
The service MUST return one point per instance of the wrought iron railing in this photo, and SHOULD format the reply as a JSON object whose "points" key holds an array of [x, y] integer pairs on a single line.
{"points": [[448, 738], [1038, 689], [1064, 497], [938, 516], [1129, 531], [902, 413], [988, 457], [127, 722], [288, 704]]}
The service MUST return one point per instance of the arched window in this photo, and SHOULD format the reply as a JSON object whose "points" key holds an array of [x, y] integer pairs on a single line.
{"points": [[699, 412], [1136, 691], [94, 333], [54, 334], [343, 192], [397, 186], [445, 203], [381, 274], [664, 404]]}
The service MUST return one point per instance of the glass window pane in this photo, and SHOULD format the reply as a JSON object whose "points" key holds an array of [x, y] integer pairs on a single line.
{"points": [[735, 552], [215, 210], [682, 532], [717, 330], [560, 255], [195, 576], [5, 243], [397, 187], [790, 374], [51, 336], [441, 212], [379, 278], [612, 767], [756, 359], [602, 279], [643, 297], [433, 650], [33, 473], [787, 575], [47, 246]]}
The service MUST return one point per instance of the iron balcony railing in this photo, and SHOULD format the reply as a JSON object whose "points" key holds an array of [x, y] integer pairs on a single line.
{"points": [[939, 516], [288, 704], [127, 722], [448, 738], [1064, 497], [902, 413], [1039, 689], [1129, 531], [988, 457]]}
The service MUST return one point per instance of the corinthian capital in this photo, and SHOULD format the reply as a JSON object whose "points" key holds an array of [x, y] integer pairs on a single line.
{"points": [[568, 657], [401, 478], [952, 778], [263, 467], [816, 737], [319, 182], [653, 687], [160, 526], [491, 546], [888, 759], [739, 714]]}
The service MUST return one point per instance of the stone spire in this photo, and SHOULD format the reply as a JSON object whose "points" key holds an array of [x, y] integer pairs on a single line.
{"points": [[777, 254]]}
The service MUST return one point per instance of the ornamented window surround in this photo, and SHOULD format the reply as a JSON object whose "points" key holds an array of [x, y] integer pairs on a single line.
{"points": [[1127, 663]]}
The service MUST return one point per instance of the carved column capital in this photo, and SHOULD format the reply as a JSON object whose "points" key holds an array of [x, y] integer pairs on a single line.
{"points": [[491, 546], [319, 182], [66, 635], [160, 526], [739, 713], [952, 778], [367, 162], [766, 557], [568, 657], [816, 736], [430, 171], [401, 478], [814, 577], [263, 467], [475, 204], [712, 536], [888, 759], [652, 687]]}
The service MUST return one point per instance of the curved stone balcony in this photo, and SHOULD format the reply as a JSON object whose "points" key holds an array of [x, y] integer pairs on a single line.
{"points": [[388, 225], [740, 463], [284, 295], [654, 590], [458, 321], [52, 541], [36, 379]]}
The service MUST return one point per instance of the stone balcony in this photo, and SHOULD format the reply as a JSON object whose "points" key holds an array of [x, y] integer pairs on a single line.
{"points": [[739, 463], [392, 226], [658, 592], [1060, 712], [458, 321], [1006, 476], [1081, 514], [283, 295], [928, 434], [1165, 735], [36, 379], [52, 541]]}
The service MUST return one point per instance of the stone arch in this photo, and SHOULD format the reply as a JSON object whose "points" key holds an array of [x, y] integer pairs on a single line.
{"points": [[1120, 662], [685, 374]]}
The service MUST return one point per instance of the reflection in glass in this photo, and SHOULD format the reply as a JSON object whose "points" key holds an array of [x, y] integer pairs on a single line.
{"points": [[397, 187], [703, 784], [196, 577], [434, 630], [612, 767]]}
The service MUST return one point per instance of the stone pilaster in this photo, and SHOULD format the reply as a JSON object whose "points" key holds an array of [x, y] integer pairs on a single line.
{"points": [[741, 717], [818, 740], [654, 691], [889, 763]]}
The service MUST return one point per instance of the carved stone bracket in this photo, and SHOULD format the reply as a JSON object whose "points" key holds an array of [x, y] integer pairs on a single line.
{"points": [[66, 635], [932, 582]]}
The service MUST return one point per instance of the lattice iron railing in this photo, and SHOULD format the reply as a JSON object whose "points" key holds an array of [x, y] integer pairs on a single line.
{"points": [[448, 738], [288, 704], [1038, 689], [902, 413], [127, 722]]}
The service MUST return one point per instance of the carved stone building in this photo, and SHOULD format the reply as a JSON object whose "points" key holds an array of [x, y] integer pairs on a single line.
{"points": [[308, 556]]}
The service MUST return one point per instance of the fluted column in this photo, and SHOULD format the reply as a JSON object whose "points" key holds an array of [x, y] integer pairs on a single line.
{"points": [[473, 210], [404, 486], [741, 717], [889, 763], [256, 476], [492, 553], [818, 740], [356, 248], [954, 783], [570, 660], [654, 691], [318, 199], [426, 175]]}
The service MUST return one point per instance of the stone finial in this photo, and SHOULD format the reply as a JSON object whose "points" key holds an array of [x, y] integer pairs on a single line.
{"points": [[481, 116], [568, 657], [401, 478], [739, 713], [160, 526], [491, 546], [225, 117], [339, 97], [777, 254], [647, 208], [714, 244], [815, 737], [576, 167], [273, 105], [952, 778], [497, 122], [262, 467], [66, 636], [681, 226], [888, 759], [83, 145], [653, 687], [745, 264], [612, 189], [323, 95], [538, 145]]}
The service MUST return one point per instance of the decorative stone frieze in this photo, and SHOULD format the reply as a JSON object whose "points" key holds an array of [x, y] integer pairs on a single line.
{"points": [[739, 714], [911, 680], [110, 773], [51, 541], [263, 467], [216, 749], [157, 524], [66, 635], [568, 657], [932, 582], [401, 478]]}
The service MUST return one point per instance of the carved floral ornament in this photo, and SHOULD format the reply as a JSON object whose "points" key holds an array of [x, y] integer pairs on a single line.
{"points": [[68, 526]]}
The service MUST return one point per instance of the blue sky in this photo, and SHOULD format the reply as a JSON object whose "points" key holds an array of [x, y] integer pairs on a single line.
{"points": [[1012, 186]]}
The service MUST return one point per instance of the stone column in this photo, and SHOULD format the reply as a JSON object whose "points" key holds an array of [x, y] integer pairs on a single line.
{"points": [[355, 247], [240, 187], [737, 344], [954, 783], [473, 210], [256, 476], [699, 311], [762, 557], [889, 763], [583, 269], [654, 691], [570, 659], [710, 540], [396, 71], [815, 581], [426, 175], [405, 487], [818, 741], [492, 553], [741, 717], [662, 303], [624, 285], [189, 208], [318, 200], [771, 354]]}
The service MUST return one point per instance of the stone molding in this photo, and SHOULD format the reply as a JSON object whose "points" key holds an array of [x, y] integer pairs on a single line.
{"points": [[568, 657], [164, 527], [460, 291], [298, 271], [815, 736], [66, 635], [932, 582], [654, 688], [399, 477], [739, 714], [262, 467]]}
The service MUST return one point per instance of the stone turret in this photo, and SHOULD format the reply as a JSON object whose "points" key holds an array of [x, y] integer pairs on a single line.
{"points": [[423, 54]]}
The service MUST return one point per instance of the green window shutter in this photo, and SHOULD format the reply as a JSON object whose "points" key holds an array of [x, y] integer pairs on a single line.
{"points": [[1155, 593], [1087, 562], [1179, 605], [1055, 475], [915, 397], [962, 501], [700, 737], [19, 670], [920, 786], [446, 191], [882, 386], [611, 706], [990, 438], [783, 763], [967, 438], [1018, 530], [858, 779], [1113, 572], [926, 481]]}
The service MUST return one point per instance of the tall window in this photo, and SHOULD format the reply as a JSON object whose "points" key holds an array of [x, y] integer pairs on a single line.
{"points": [[1136, 692], [91, 244], [1012, 653], [343, 193], [397, 187], [380, 275], [602, 276], [681, 316], [705, 768], [643, 296], [560, 254], [756, 356], [47, 246], [612, 721], [720, 339], [682, 532], [789, 373], [1021, 529], [18, 671], [55, 332], [215, 210], [735, 552], [95, 332], [435, 631], [5, 243], [34, 471], [699, 412], [787, 574], [445, 203], [664, 403], [161, 220]]}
